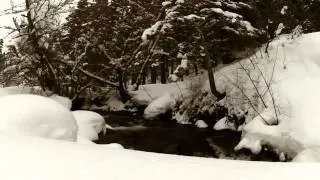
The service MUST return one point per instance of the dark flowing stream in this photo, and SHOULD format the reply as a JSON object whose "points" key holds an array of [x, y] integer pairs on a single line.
{"points": [[133, 132]]}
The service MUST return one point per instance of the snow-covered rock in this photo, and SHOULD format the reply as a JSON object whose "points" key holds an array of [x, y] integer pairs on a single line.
{"points": [[33, 115], [160, 106], [64, 101], [201, 124], [90, 123], [223, 123]]}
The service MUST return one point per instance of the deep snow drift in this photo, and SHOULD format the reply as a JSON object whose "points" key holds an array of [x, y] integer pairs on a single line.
{"points": [[33, 115]]}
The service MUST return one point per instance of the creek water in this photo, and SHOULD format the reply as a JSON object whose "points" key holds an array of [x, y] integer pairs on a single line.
{"points": [[133, 132]]}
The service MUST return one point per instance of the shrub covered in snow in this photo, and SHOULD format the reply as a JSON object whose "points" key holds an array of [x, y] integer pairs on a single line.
{"points": [[33, 115]]}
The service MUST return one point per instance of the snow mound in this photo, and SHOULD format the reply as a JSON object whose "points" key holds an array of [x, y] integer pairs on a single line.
{"points": [[64, 101], [159, 106], [201, 124], [90, 123], [33, 115], [285, 115]]}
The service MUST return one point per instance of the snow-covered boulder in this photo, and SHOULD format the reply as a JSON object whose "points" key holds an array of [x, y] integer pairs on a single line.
{"points": [[33, 115], [159, 106], [223, 123], [90, 123], [64, 101], [201, 124]]}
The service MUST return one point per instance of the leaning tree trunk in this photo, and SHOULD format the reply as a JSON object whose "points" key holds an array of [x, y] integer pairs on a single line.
{"points": [[208, 65]]}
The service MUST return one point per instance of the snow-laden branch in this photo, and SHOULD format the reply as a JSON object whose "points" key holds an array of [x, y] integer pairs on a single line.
{"points": [[98, 78]]}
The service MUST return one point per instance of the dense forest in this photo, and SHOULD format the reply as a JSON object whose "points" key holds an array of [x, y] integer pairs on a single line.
{"points": [[123, 44]]}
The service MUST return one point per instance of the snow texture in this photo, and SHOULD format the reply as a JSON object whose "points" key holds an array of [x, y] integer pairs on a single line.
{"points": [[193, 16], [151, 31], [226, 13], [166, 3], [159, 106], [179, 1], [33, 115], [201, 124], [90, 124], [279, 29], [223, 123], [284, 10]]}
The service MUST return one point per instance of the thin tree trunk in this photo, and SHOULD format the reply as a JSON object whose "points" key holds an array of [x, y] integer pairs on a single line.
{"points": [[124, 95], [172, 66], [153, 75], [163, 70]]}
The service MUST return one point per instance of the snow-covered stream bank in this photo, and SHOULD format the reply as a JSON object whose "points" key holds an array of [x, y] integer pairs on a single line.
{"points": [[133, 132], [278, 89]]}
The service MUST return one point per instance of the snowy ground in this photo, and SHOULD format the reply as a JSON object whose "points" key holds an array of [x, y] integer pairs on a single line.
{"points": [[39, 159]]}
